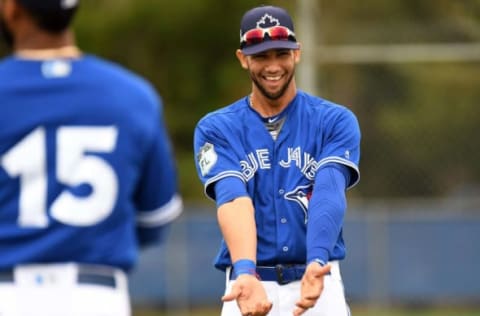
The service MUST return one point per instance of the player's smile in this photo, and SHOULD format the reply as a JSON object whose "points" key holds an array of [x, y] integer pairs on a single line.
{"points": [[272, 86], [272, 71], [273, 78], [273, 81]]}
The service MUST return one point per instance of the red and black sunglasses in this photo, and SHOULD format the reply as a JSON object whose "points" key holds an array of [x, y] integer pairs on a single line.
{"points": [[275, 33]]}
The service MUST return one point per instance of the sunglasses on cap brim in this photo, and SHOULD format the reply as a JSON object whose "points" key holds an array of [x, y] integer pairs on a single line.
{"points": [[274, 33]]}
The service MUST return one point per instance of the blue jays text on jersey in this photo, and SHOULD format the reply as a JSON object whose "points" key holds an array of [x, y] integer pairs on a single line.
{"points": [[86, 171], [279, 174]]}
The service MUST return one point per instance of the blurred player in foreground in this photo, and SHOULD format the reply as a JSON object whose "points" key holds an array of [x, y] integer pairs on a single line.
{"points": [[87, 174], [277, 163]]}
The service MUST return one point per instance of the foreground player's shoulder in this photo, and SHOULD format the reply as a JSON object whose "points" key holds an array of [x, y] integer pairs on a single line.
{"points": [[10, 67], [120, 78], [6, 69], [3, 63]]}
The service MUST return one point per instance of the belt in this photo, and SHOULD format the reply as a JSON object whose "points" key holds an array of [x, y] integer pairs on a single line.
{"points": [[281, 273], [102, 277]]}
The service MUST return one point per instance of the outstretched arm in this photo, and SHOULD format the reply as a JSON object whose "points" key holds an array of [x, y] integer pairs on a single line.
{"points": [[326, 213], [237, 223]]}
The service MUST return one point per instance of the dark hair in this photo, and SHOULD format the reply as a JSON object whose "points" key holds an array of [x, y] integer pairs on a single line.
{"points": [[53, 21]]}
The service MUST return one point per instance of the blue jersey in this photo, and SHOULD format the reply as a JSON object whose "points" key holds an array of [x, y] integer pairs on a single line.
{"points": [[86, 167], [279, 174]]}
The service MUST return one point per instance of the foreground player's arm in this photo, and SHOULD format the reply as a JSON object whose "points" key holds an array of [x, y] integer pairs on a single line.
{"points": [[157, 197]]}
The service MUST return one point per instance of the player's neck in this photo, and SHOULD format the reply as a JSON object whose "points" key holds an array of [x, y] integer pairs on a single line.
{"points": [[70, 51], [267, 107], [46, 46]]}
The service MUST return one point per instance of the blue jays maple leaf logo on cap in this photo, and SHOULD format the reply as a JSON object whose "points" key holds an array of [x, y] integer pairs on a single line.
{"points": [[267, 21], [265, 18]]}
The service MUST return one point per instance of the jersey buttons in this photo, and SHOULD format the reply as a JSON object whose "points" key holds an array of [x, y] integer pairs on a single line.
{"points": [[283, 220]]}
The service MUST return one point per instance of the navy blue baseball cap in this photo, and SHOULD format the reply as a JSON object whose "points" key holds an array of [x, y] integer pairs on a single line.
{"points": [[50, 6], [266, 27]]}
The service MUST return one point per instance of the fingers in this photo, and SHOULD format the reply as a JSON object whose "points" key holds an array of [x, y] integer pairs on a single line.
{"points": [[307, 302], [304, 304], [312, 287], [299, 311], [234, 293], [250, 296], [326, 269], [261, 309]]}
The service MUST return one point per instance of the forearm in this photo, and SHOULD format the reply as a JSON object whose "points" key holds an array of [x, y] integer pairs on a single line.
{"points": [[326, 212], [237, 224]]}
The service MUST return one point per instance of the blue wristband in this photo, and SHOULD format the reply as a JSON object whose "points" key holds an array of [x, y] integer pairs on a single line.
{"points": [[244, 266], [319, 261]]}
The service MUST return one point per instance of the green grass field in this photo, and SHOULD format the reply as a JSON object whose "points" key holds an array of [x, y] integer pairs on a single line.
{"points": [[356, 311]]}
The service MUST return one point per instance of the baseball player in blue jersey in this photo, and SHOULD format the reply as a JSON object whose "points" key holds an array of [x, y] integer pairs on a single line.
{"points": [[277, 163], [87, 175]]}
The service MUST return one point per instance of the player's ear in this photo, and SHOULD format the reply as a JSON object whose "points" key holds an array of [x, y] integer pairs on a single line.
{"points": [[9, 8], [242, 59], [12, 11], [297, 53]]}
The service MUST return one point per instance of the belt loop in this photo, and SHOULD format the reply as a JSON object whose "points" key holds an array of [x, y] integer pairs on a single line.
{"points": [[299, 273], [279, 269]]}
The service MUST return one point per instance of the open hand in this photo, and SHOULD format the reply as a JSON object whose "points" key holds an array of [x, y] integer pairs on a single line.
{"points": [[312, 287], [250, 294]]}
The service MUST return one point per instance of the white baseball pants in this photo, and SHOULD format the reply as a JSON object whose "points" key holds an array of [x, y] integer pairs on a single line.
{"points": [[64, 290], [331, 303]]}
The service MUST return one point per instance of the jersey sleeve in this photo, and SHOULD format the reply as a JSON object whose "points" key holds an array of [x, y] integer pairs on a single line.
{"points": [[341, 143], [326, 212], [157, 197], [215, 158]]}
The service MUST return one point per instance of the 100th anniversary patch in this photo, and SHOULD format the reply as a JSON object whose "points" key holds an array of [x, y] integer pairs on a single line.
{"points": [[207, 157]]}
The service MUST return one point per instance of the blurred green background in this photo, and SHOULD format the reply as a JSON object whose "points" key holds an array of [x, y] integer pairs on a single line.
{"points": [[408, 68]]}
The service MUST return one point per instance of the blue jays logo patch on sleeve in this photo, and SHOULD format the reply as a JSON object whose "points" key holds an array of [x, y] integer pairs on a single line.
{"points": [[207, 157]]}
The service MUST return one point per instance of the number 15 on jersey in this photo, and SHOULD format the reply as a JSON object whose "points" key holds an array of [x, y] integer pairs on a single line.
{"points": [[76, 164]]}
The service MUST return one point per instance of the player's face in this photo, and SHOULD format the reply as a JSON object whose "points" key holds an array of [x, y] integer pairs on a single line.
{"points": [[272, 71]]}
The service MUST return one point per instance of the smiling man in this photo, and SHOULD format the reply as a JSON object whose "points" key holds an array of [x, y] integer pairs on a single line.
{"points": [[278, 163]]}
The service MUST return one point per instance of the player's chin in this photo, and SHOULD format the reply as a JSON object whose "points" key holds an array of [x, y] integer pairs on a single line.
{"points": [[274, 90], [274, 93], [270, 89]]}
